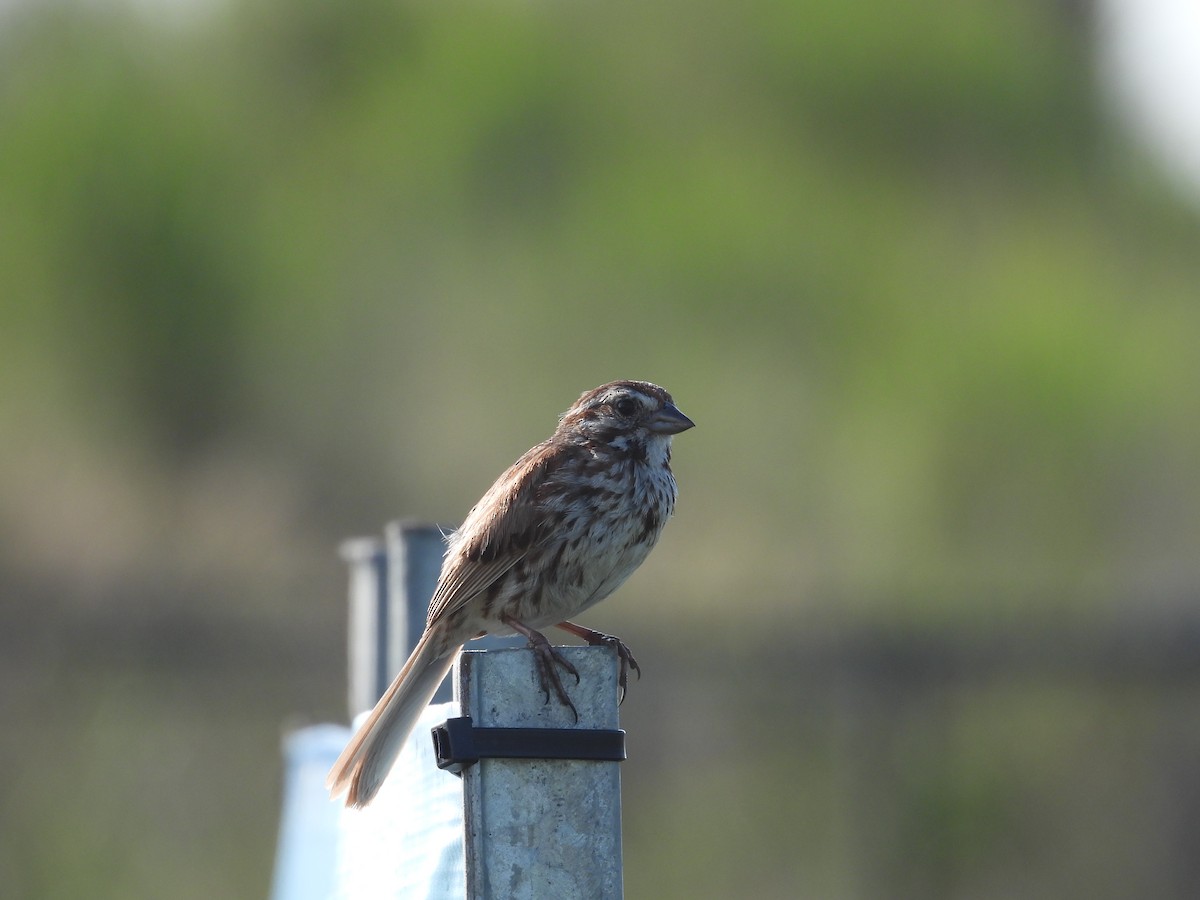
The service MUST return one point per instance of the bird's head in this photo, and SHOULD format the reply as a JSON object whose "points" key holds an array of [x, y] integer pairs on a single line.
{"points": [[636, 410]]}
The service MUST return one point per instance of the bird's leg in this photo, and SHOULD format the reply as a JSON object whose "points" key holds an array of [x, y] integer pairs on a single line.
{"points": [[547, 658], [599, 638]]}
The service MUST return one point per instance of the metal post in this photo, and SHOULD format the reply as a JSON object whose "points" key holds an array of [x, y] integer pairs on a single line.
{"points": [[540, 829], [414, 561], [367, 633]]}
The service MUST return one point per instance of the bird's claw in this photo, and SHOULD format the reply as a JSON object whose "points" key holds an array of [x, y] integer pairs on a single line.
{"points": [[624, 655], [547, 660]]}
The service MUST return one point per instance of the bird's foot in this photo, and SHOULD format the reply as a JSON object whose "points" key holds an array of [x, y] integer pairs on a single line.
{"points": [[600, 639]]}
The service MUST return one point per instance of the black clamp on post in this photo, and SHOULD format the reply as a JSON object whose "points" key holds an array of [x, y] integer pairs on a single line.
{"points": [[459, 744]]}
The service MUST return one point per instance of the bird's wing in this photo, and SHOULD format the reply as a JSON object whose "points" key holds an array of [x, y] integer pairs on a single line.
{"points": [[500, 530]]}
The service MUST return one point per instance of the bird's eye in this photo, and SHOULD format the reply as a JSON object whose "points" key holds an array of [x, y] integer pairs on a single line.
{"points": [[626, 406]]}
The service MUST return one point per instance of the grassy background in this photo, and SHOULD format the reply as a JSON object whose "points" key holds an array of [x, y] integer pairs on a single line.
{"points": [[274, 273]]}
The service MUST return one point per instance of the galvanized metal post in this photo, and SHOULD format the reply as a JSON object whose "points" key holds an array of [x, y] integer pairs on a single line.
{"points": [[414, 556], [414, 553], [367, 634], [541, 829]]}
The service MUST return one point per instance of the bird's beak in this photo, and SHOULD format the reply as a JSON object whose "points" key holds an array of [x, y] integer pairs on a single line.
{"points": [[670, 420]]}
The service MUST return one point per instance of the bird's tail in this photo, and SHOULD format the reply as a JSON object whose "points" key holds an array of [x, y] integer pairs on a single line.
{"points": [[368, 757]]}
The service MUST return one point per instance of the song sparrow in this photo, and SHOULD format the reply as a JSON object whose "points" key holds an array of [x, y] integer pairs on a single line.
{"points": [[557, 533]]}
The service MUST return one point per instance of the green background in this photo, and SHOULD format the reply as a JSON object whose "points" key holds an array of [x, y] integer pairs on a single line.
{"points": [[274, 273]]}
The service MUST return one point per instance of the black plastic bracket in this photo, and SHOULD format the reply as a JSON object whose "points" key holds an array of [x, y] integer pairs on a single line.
{"points": [[459, 744]]}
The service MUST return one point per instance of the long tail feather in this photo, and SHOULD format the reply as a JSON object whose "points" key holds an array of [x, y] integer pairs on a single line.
{"points": [[365, 762]]}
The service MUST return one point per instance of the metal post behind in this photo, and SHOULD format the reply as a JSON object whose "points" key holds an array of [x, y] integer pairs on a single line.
{"points": [[414, 561], [367, 635]]}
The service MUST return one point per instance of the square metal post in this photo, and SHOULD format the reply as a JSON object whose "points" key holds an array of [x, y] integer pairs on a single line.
{"points": [[541, 829]]}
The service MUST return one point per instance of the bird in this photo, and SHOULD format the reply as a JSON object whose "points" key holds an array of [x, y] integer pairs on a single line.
{"points": [[558, 531]]}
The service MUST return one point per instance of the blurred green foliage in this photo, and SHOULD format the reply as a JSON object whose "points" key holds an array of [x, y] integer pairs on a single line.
{"points": [[273, 273]]}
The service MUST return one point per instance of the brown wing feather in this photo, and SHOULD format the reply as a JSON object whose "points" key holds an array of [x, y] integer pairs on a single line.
{"points": [[500, 530]]}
